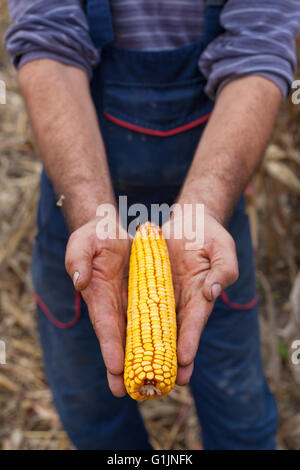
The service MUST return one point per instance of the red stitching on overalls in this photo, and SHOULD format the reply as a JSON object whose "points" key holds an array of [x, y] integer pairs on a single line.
{"points": [[144, 130], [53, 320], [237, 306]]}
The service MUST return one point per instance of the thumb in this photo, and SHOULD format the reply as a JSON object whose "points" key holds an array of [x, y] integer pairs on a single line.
{"points": [[78, 259], [224, 271]]}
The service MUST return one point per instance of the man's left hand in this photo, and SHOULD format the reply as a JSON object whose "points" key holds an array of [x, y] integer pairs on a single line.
{"points": [[199, 277]]}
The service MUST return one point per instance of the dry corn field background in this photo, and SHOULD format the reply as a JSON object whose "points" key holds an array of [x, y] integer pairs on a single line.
{"points": [[27, 416]]}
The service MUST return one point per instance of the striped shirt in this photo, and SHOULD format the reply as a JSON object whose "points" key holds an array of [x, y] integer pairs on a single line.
{"points": [[259, 36]]}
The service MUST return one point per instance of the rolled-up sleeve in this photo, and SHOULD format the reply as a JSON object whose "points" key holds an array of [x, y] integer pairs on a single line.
{"points": [[50, 29], [258, 39]]}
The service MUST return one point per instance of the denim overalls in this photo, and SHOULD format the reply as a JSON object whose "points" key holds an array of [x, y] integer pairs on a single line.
{"points": [[152, 110]]}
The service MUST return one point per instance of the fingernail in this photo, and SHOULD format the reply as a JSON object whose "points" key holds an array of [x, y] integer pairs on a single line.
{"points": [[216, 290], [75, 278]]}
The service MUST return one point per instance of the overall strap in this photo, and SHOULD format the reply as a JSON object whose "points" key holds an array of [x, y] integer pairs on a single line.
{"points": [[100, 21], [101, 25], [215, 3], [212, 24]]}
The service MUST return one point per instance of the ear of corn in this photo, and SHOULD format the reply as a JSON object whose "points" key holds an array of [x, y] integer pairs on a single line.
{"points": [[150, 357]]}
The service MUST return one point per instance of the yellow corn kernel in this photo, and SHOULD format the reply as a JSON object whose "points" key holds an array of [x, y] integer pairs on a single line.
{"points": [[159, 378], [142, 375], [150, 375], [150, 357]]}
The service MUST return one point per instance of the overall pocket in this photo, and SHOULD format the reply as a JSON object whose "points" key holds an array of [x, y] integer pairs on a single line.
{"points": [[151, 132], [55, 314], [242, 295], [55, 295], [161, 110]]}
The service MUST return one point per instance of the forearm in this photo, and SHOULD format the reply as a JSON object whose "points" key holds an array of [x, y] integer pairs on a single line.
{"points": [[67, 133], [232, 145]]}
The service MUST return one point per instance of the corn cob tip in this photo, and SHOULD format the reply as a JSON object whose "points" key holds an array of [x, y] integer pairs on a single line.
{"points": [[149, 229]]}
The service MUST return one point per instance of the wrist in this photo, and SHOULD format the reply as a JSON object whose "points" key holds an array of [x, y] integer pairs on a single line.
{"points": [[217, 188], [81, 207], [212, 204]]}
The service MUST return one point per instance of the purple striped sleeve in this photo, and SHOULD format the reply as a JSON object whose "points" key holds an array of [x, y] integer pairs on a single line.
{"points": [[54, 30], [259, 39]]}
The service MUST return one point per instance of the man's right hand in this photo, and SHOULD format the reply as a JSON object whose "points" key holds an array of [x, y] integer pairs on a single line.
{"points": [[67, 132], [99, 269]]}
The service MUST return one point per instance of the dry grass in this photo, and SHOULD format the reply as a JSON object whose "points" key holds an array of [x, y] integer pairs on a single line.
{"points": [[28, 419]]}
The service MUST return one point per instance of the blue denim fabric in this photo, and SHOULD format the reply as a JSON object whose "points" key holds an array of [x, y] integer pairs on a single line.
{"points": [[233, 401]]}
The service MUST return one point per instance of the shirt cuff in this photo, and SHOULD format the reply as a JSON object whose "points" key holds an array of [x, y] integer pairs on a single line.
{"points": [[221, 72], [47, 30], [35, 55]]}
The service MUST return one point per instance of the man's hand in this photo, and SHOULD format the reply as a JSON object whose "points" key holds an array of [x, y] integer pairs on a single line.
{"points": [[199, 276], [69, 139], [229, 152], [99, 269]]}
